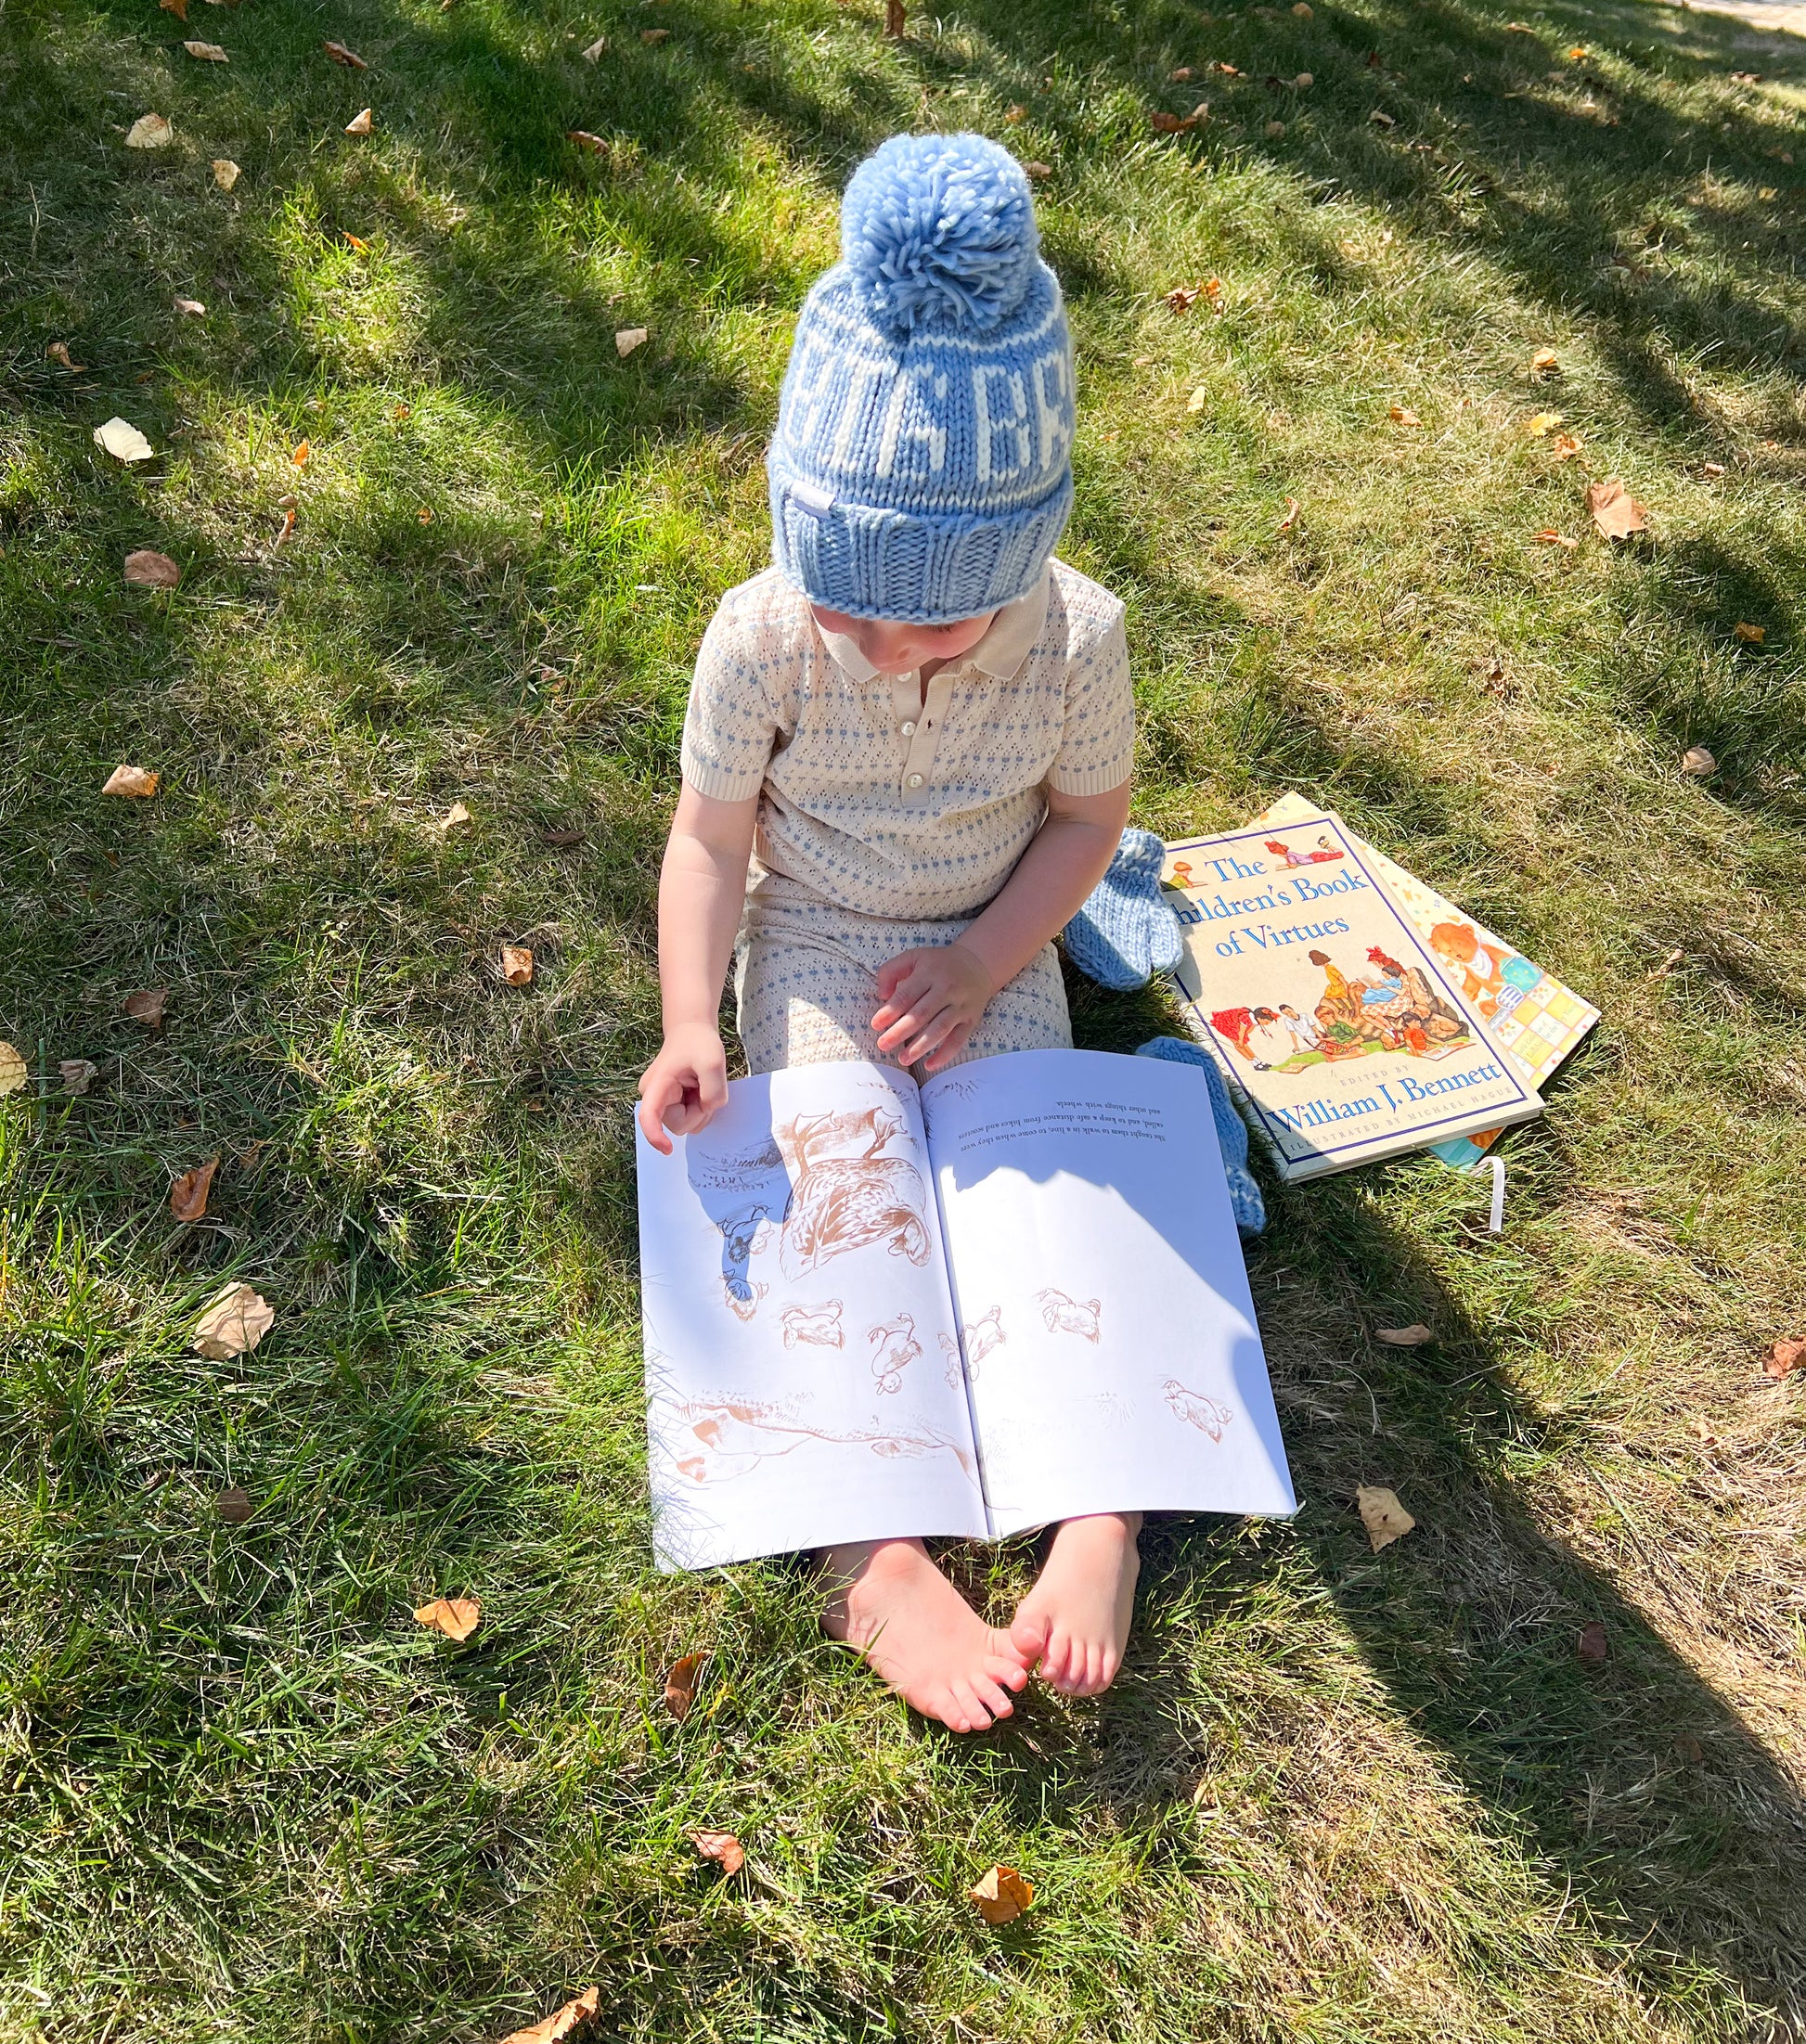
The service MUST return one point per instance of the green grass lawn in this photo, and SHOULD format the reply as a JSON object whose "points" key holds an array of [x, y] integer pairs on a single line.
{"points": [[1336, 1797]]}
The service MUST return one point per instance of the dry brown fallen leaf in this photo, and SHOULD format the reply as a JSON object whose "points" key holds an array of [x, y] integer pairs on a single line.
{"points": [[235, 1323], [209, 53], [77, 1075], [341, 55], [1182, 297], [192, 307], [1037, 172], [12, 1069], [1303, 81], [361, 123], [1181, 75], [453, 816], [1015, 115], [179, 8], [1414, 1336], [233, 1504], [129, 780], [288, 525], [147, 569], [585, 140], [655, 35], [517, 964], [1750, 635], [457, 1618], [626, 339], [1783, 1358], [1697, 760], [1615, 511], [1564, 447], [150, 130], [1291, 518], [563, 2022], [722, 1846], [1173, 123], [122, 440], [1402, 415], [1544, 361], [1592, 1645], [59, 352], [187, 1195], [1302, 9], [1548, 537], [1384, 1518], [680, 1685], [147, 1007], [1275, 130], [1000, 1896], [1381, 119], [1711, 468], [225, 173], [596, 49]]}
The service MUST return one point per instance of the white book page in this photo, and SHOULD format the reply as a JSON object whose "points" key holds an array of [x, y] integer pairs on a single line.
{"points": [[803, 1375], [1112, 1357]]}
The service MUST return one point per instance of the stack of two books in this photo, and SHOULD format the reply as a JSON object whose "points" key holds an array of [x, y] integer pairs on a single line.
{"points": [[1358, 1012]]}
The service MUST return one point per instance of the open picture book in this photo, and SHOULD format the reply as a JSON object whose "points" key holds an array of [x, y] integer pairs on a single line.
{"points": [[1010, 1295]]}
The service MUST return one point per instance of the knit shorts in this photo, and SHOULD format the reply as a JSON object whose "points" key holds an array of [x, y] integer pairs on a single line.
{"points": [[805, 980]]}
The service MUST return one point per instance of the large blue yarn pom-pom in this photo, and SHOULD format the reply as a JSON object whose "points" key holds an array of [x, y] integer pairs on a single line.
{"points": [[940, 231]]}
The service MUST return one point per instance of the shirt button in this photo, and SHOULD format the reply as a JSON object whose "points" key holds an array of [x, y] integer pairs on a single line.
{"points": [[909, 730], [914, 781]]}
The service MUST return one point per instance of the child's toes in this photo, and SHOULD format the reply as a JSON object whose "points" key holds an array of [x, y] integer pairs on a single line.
{"points": [[1057, 1662], [991, 1694], [966, 1701], [1028, 1634], [1010, 1673]]}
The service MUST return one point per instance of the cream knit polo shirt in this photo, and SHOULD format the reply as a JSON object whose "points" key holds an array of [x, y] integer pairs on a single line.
{"points": [[878, 801]]}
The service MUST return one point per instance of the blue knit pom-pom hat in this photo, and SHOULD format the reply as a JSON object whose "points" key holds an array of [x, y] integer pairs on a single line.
{"points": [[921, 468]]}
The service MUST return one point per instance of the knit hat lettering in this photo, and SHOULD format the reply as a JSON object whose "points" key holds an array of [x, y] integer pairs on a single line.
{"points": [[922, 465]]}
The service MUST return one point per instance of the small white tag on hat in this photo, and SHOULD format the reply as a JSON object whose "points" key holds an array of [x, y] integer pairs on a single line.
{"points": [[816, 503]]}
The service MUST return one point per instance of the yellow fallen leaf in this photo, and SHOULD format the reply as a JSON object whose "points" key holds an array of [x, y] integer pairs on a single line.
{"points": [[191, 307], [626, 339], [147, 1007], [457, 1618], [1539, 423], [150, 130], [303, 454], [59, 352], [235, 1323], [77, 1075], [1002, 1896], [361, 123], [147, 569], [1751, 634], [1615, 511], [1384, 1518], [12, 1070], [225, 173], [1564, 447], [681, 1684], [121, 439], [209, 53], [129, 780], [563, 2022], [1402, 415], [722, 1846], [1414, 1336], [517, 964], [187, 1195], [362, 247], [1198, 399], [1578, 54], [1544, 361]]}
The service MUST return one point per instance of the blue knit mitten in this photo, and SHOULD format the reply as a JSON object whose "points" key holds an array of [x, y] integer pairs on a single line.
{"points": [[1244, 1199], [1126, 933]]}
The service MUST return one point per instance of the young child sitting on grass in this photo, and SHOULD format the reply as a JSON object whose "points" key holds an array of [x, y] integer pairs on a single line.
{"points": [[906, 765]]}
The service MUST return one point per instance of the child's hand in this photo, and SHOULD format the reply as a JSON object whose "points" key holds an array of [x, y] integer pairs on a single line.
{"points": [[684, 1086], [931, 1000]]}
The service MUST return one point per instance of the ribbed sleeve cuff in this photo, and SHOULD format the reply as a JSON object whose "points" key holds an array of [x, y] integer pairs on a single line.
{"points": [[1093, 780], [717, 782]]}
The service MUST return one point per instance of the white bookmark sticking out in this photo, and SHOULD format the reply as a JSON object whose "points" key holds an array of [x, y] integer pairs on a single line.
{"points": [[1497, 1224]]}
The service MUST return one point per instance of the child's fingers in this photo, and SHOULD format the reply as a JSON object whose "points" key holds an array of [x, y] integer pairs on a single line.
{"points": [[911, 1026], [652, 1122], [893, 972], [950, 1046]]}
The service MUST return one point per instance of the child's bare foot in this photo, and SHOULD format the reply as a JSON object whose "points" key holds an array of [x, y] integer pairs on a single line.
{"points": [[1075, 1621], [919, 1634]]}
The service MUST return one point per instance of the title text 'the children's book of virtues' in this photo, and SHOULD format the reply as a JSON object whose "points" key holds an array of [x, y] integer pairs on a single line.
{"points": [[1323, 1005]]}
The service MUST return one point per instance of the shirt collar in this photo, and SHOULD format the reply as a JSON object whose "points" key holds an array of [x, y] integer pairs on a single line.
{"points": [[1008, 640]]}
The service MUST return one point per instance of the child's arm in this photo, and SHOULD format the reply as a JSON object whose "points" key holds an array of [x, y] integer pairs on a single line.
{"points": [[701, 888], [932, 997]]}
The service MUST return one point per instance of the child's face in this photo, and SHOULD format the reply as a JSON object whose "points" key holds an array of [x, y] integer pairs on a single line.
{"points": [[897, 647]]}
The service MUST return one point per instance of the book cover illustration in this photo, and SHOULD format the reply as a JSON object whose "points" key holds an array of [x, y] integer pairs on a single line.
{"points": [[1533, 1018], [1324, 1004]]}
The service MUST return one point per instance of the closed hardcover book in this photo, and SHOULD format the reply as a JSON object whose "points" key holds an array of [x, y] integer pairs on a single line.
{"points": [[1324, 1006]]}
